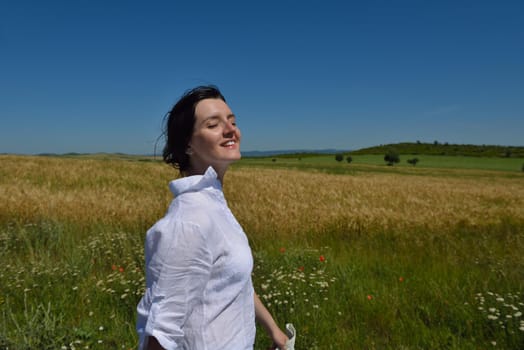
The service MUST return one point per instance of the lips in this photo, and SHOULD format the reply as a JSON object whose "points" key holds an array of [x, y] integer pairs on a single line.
{"points": [[229, 143]]}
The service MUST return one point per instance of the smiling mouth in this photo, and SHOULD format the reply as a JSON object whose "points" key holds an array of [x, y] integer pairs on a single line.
{"points": [[229, 143]]}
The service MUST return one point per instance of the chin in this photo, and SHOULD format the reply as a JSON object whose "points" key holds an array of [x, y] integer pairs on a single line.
{"points": [[233, 159], [234, 156]]}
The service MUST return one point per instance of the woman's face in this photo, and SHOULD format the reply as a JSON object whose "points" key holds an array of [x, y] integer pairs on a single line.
{"points": [[216, 139]]}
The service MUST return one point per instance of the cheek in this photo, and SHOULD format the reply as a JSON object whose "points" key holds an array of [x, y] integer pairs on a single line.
{"points": [[203, 141]]}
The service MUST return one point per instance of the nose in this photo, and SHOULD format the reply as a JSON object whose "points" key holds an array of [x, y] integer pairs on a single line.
{"points": [[229, 128]]}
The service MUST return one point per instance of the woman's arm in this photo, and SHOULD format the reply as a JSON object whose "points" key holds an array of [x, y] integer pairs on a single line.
{"points": [[266, 320], [180, 264]]}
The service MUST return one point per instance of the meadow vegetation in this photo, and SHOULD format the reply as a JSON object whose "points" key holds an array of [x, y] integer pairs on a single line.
{"points": [[375, 163], [357, 256]]}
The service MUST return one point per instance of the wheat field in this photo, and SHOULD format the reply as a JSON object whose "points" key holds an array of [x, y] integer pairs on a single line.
{"points": [[133, 193]]}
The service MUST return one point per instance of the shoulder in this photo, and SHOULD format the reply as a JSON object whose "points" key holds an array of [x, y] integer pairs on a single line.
{"points": [[199, 208], [190, 216]]}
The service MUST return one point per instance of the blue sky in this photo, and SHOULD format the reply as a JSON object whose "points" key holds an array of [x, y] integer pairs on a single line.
{"points": [[98, 76]]}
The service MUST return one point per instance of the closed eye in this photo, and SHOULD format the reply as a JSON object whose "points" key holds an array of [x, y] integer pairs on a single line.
{"points": [[232, 119]]}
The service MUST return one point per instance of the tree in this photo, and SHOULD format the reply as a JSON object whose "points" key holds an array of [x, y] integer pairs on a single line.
{"points": [[391, 157], [349, 159], [339, 157], [413, 161]]}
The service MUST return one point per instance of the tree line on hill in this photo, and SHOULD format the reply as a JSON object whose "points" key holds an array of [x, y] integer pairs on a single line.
{"points": [[446, 149]]}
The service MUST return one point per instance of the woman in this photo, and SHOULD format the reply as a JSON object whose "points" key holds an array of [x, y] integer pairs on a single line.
{"points": [[199, 293]]}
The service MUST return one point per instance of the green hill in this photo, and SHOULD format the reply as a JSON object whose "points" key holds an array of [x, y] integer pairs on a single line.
{"points": [[445, 149]]}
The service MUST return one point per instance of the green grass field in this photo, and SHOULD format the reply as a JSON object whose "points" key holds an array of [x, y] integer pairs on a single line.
{"points": [[425, 161], [357, 256]]}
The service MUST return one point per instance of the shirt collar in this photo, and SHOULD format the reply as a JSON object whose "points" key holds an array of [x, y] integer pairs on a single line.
{"points": [[195, 182]]}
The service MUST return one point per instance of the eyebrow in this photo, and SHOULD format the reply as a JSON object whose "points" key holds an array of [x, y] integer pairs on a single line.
{"points": [[213, 117]]}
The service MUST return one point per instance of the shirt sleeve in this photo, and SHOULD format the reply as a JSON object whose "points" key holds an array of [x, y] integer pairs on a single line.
{"points": [[181, 260]]}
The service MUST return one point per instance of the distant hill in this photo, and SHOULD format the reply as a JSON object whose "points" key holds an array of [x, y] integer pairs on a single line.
{"points": [[415, 148], [294, 153]]}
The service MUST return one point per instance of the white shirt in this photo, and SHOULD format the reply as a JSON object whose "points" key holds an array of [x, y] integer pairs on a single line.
{"points": [[199, 293]]}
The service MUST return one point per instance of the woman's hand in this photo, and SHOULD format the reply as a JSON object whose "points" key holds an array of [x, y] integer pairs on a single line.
{"points": [[279, 339]]}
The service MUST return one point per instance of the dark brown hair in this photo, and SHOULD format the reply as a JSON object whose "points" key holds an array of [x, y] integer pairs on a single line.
{"points": [[179, 123]]}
